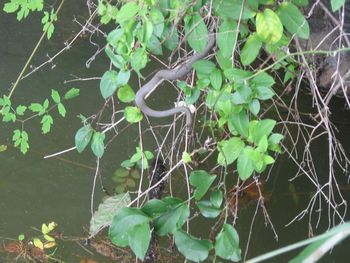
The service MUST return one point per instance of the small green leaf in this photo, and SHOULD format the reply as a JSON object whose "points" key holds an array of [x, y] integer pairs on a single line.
{"points": [[97, 144], [154, 46], [240, 121], [204, 67], [117, 60], [20, 110], [192, 248], [202, 181], [227, 244], [61, 109], [229, 150], [126, 94], [216, 79], [83, 137], [186, 157], [245, 166], [216, 198], [46, 122], [55, 96], [250, 49], [171, 36], [133, 114], [109, 83], [72, 93], [254, 107], [269, 26], [11, 7], [21, 237], [207, 209], [139, 60]]}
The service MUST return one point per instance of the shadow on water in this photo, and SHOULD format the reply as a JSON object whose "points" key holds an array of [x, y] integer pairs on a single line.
{"points": [[34, 190]]}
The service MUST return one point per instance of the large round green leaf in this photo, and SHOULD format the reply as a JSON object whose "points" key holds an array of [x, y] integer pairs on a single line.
{"points": [[192, 248], [269, 26]]}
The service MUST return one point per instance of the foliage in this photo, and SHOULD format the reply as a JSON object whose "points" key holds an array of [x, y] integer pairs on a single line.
{"points": [[23, 113]]}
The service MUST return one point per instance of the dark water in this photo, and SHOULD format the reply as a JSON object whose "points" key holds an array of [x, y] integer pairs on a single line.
{"points": [[34, 190]]}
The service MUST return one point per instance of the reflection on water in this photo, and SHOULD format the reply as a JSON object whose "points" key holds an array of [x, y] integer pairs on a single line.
{"points": [[34, 190]]}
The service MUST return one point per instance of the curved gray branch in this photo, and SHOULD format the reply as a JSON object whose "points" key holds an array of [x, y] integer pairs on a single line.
{"points": [[170, 74]]}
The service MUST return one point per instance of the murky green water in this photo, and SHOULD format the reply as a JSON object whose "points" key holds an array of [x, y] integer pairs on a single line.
{"points": [[34, 190]]}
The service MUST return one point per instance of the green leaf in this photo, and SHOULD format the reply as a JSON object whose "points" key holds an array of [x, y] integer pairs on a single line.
{"points": [[293, 20], [229, 150], [155, 207], [262, 145], [139, 238], [154, 46], [83, 137], [269, 26], [204, 67], [232, 9], [11, 7], [263, 127], [171, 36], [147, 30], [55, 96], [139, 60], [36, 107], [126, 94], [337, 4], [216, 79], [72, 93], [46, 122], [172, 220], [114, 36], [123, 77], [133, 114], [227, 244], [207, 209], [158, 22], [117, 60], [20, 110], [264, 93], [106, 211], [275, 138], [216, 198], [245, 166], [61, 109], [192, 248], [123, 222], [263, 79], [250, 49], [202, 181], [108, 83], [97, 144], [127, 12], [186, 157], [254, 107], [226, 37], [240, 121], [197, 32]]}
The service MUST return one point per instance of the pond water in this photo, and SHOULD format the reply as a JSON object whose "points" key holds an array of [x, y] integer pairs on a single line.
{"points": [[34, 190]]}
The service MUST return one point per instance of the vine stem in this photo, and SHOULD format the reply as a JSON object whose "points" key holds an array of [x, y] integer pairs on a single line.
{"points": [[33, 53]]}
